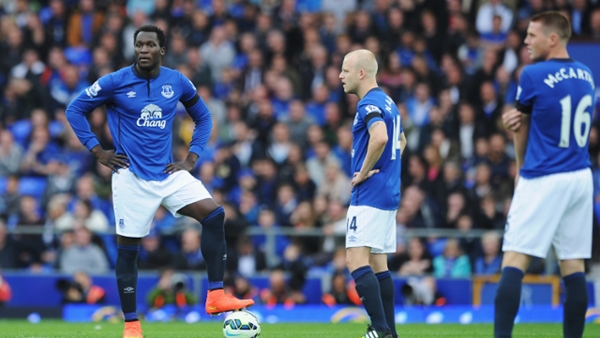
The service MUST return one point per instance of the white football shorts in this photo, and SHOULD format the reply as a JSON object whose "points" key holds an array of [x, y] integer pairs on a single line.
{"points": [[552, 210], [136, 200], [371, 227]]}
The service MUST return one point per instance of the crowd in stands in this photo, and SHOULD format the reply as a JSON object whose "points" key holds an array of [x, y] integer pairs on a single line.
{"points": [[280, 151]]}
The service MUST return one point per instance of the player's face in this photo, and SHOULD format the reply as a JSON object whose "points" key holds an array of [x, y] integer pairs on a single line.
{"points": [[537, 41], [349, 76], [147, 51]]}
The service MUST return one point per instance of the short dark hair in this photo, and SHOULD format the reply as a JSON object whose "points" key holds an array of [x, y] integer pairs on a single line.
{"points": [[556, 22], [162, 38]]}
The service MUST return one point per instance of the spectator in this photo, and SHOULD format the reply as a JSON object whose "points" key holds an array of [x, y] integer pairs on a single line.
{"points": [[452, 263], [91, 218], [486, 13], [153, 255], [10, 154], [317, 166], [217, 52], [9, 250], [190, 257], [490, 262], [278, 291], [247, 261], [83, 255], [416, 262], [243, 289], [336, 185]]}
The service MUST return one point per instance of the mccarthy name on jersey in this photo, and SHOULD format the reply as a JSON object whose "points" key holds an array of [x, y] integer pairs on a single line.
{"points": [[381, 190], [140, 113], [559, 94]]}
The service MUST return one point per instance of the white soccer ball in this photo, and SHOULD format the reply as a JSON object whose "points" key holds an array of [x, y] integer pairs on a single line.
{"points": [[241, 324]]}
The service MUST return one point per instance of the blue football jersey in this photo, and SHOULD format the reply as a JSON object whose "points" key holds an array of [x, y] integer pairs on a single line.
{"points": [[559, 95], [381, 190], [140, 113]]}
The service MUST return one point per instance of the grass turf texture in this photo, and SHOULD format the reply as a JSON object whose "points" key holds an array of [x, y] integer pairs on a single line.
{"points": [[56, 328]]}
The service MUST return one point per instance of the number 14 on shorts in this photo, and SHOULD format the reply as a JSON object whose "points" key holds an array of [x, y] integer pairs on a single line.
{"points": [[351, 224]]}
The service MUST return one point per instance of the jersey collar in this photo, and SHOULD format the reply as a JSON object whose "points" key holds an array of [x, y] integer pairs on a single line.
{"points": [[373, 90], [562, 59], [136, 73]]}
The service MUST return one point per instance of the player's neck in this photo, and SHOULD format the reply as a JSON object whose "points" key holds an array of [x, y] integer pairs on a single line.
{"points": [[558, 54], [145, 73], [365, 89]]}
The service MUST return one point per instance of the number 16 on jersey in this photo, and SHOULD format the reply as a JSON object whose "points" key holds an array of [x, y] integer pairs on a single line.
{"points": [[396, 138]]}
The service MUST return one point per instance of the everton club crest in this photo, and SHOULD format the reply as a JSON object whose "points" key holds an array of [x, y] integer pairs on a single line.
{"points": [[167, 91]]}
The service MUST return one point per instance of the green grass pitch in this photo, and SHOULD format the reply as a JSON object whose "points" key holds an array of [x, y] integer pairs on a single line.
{"points": [[56, 329]]}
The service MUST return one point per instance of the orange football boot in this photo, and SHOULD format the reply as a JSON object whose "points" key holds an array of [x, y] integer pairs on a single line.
{"points": [[219, 302], [133, 330]]}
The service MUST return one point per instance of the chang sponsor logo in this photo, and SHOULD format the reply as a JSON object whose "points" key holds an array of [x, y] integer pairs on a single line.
{"points": [[151, 116]]}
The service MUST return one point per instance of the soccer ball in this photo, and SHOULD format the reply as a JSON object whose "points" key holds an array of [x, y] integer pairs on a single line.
{"points": [[241, 324]]}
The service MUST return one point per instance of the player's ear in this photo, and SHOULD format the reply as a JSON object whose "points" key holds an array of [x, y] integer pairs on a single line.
{"points": [[554, 39], [162, 51]]}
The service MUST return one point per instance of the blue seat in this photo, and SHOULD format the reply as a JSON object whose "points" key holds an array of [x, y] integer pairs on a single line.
{"points": [[32, 186], [3, 183], [21, 130]]}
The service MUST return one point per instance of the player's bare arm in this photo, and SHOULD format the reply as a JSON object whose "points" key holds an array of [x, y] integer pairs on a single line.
{"points": [[520, 140], [377, 141], [511, 119], [110, 159], [403, 143], [187, 164]]}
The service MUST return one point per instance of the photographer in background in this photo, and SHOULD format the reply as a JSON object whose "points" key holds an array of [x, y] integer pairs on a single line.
{"points": [[5, 292], [81, 290], [170, 290]]}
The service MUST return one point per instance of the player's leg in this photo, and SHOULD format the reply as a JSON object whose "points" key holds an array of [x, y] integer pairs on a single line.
{"points": [[378, 261], [134, 205], [386, 289], [572, 243], [367, 286], [508, 293], [127, 276], [359, 238], [190, 198], [532, 221], [576, 297]]}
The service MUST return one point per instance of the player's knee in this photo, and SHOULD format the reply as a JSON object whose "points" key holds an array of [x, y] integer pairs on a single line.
{"points": [[356, 257], [571, 266], [516, 260]]}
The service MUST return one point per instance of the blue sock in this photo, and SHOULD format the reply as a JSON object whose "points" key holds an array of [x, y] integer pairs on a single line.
{"points": [[508, 299], [575, 307], [367, 287], [214, 247], [127, 276], [386, 289]]}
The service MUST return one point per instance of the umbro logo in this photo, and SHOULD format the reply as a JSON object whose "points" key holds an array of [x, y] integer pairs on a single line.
{"points": [[131, 94], [128, 289]]}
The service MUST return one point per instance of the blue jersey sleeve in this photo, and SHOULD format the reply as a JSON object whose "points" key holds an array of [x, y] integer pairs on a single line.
{"points": [[188, 89], [370, 114], [525, 93], [199, 112], [91, 98]]}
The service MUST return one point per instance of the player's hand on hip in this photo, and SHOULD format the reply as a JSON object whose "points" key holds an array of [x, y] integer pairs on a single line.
{"points": [[177, 166], [511, 119], [359, 178], [112, 160]]}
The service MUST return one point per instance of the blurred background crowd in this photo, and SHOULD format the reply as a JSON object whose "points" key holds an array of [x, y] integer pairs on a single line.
{"points": [[280, 151]]}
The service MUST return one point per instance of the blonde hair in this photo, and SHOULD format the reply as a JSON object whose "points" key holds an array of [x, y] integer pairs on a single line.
{"points": [[365, 59]]}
